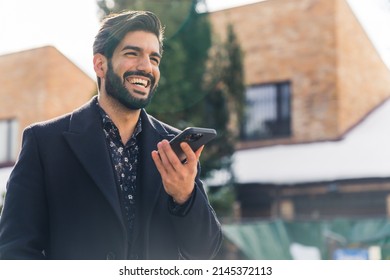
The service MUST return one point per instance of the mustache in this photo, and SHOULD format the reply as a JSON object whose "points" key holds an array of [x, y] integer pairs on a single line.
{"points": [[139, 73]]}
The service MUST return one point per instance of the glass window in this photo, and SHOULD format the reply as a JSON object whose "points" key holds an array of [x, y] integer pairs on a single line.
{"points": [[267, 112], [8, 140]]}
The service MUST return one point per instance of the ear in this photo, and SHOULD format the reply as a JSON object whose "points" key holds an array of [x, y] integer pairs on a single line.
{"points": [[100, 65]]}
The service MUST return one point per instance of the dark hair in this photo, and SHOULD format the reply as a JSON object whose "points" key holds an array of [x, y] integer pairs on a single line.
{"points": [[115, 27]]}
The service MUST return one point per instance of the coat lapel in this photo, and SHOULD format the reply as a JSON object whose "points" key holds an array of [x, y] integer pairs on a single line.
{"points": [[87, 141], [150, 179], [150, 183]]}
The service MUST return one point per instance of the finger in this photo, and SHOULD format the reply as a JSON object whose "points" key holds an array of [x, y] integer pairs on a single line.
{"points": [[158, 162], [170, 159], [199, 152], [191, 156], [162, 154], [171, 155]]}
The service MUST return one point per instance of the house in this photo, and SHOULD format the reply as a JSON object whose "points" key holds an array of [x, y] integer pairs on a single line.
{"points": [[36, 85], [314, 143]]}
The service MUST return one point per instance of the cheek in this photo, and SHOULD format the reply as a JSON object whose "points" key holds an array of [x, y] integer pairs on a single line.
{"points": [[120, 67], [156, 75]]}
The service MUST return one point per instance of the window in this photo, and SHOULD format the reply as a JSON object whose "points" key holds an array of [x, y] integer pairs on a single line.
{"points": [[8, 140], [267, 112]]}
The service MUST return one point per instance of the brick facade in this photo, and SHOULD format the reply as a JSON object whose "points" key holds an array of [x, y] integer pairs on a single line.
{"points": [[336, 74], [40, 84]]}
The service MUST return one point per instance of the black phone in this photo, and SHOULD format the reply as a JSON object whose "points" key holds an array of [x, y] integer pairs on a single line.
{"points": [[195, 137]]}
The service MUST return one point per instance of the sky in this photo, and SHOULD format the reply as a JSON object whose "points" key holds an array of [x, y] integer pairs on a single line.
{"points": [[70, 25]]}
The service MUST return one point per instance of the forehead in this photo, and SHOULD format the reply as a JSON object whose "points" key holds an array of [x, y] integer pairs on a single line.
{"points": [[146, 41]]}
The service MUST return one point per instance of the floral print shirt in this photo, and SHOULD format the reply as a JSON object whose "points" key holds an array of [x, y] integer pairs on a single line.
{"points": [[125, 162]]}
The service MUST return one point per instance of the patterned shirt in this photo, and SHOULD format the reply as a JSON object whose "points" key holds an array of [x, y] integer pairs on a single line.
{"points": [[125, 163]]}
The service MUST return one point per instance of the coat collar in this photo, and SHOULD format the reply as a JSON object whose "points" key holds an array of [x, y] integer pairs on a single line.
{"points": [[86, 139]]}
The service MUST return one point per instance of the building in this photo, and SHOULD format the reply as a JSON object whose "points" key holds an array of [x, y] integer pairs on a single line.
{"points": [[37, 85], [316, 99]]}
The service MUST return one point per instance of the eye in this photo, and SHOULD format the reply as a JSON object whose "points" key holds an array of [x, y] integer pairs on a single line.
{"points": [[131, 53], [155, 60]]}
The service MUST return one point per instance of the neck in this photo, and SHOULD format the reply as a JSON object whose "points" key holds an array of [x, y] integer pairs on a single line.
{"points": [[124, 118]]}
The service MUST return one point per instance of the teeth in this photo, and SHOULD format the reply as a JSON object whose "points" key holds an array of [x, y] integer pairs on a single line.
{"points": [[138, 81]]}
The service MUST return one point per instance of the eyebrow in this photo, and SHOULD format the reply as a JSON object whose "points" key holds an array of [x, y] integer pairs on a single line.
{"points": [[138, 49]]}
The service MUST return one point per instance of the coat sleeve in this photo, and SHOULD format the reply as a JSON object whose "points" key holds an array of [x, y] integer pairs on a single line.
{"points": [[23, 223], [199, 230]]}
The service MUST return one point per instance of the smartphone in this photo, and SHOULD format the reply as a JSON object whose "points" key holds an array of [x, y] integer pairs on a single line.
{"points": [[195, 137]]}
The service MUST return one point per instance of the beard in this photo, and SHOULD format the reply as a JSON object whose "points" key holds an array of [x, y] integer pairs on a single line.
{"points": [[115, 87]]}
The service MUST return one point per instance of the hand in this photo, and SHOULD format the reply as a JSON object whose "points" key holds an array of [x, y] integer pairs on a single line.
{"points": [[178, 178]]}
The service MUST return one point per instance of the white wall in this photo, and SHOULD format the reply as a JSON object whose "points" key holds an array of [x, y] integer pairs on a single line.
{"points": [[4, 174]]}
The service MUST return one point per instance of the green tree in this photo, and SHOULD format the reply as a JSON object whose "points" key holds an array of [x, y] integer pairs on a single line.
{"points": [[224, 103], [223, 109], [197, 86]]}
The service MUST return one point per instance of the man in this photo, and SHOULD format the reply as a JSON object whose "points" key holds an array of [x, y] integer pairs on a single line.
{"points": [[103, 181]]}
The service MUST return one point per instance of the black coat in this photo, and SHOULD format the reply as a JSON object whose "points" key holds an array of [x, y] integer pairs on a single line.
{"points": [[62, 199]]}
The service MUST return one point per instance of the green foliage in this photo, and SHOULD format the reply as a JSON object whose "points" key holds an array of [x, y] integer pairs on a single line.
{"points": [[174, 14], [225, 99], [234, 74], [223, 200], [200, 84]]}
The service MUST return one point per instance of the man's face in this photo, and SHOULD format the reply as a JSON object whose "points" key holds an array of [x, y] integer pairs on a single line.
{"points": [[133, 71]]}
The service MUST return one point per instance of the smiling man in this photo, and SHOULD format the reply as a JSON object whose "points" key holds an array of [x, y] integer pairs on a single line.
{"points": [[102, 182]]}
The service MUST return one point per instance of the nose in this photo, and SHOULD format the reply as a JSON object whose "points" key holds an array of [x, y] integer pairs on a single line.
{"points": [[144, 64]]}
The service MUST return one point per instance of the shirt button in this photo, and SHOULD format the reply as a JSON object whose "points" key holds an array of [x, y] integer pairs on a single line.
{"points": [[110, 256]]}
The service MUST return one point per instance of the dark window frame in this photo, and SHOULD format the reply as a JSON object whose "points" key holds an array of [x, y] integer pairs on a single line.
{"points": [[276, 102]]}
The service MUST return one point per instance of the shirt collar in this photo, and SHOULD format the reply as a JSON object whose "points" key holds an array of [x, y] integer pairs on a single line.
{"points": [[108, 123]]}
